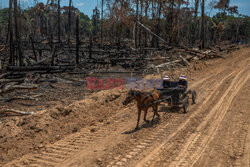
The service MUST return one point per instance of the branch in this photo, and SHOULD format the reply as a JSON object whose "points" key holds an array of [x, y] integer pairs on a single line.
{"points": [[17, 112]]}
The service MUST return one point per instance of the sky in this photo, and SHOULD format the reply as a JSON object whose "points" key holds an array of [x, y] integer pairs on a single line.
{"points": [[87, 6]]}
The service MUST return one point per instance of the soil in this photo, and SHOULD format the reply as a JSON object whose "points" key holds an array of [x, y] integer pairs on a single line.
{"points": [[97, 130]]}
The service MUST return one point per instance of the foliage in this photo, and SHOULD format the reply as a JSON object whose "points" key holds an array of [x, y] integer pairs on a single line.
{"points": [[85, 24], [174, 20], [4, 18]]}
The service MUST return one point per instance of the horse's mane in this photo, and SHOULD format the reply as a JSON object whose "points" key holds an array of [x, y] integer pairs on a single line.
{"points": [[137, 92]]}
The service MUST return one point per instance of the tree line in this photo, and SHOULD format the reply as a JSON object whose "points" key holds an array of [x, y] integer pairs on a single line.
{"points": [[177, 22]]}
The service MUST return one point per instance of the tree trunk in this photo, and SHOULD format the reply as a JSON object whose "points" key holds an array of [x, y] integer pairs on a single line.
{"points": [[120, 27], [69, 21], [237, 32], [140, 35], [146, 18], [136, 24], [59, 21], [17, 34], [53, 52], [177, 39], [11, 58], [203, 25], [171, 21], [33, 48], [153, 21], [77, 39], [197, 2], [158, 27], [102, 24]]}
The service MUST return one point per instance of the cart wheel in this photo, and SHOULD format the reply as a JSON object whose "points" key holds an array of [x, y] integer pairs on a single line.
{"points": [[185, 105], [194, 96]]}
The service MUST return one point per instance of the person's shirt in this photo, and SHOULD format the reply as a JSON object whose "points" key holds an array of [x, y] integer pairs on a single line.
{"points": [[183, 83], [165, 84]]}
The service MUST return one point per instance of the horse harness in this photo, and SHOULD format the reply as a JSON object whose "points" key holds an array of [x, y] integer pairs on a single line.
{"points": [[150, 95]]}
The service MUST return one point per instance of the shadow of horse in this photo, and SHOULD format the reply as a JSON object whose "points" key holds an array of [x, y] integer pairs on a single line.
{"points": [[156, 121]]}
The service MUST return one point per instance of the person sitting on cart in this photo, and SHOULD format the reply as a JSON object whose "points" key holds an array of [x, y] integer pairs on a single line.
{"points": [[183, 83], [166, 83]]}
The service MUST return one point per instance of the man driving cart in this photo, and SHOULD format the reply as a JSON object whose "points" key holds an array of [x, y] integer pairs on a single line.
{"points": [[166, 82], [183, 83]]}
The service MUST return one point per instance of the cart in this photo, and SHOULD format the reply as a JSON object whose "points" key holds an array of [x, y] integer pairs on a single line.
{"points": [[174, 96]]}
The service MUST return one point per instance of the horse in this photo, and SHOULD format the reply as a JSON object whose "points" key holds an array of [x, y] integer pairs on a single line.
{"points": [[144, 100]]}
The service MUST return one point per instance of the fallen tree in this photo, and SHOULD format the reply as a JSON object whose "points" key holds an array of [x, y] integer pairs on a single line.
{"points": [[11, 88]]}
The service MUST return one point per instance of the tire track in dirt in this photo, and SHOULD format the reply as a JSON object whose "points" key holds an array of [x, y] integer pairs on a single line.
{"points": [[243, 148], [154, 154], [229, 145], [167, 130], [243, 143], [245, 160], [155, 157], [64, 149], [198, 142]]}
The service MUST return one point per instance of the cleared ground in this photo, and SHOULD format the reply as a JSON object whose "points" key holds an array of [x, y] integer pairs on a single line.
{"points": [[98, 131]]}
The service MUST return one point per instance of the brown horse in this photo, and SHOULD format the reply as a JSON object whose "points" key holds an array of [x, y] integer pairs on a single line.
{"points": [[144, 100]]}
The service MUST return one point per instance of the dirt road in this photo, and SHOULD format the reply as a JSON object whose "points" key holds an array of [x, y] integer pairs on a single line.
{"points": [[215, 131]]}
